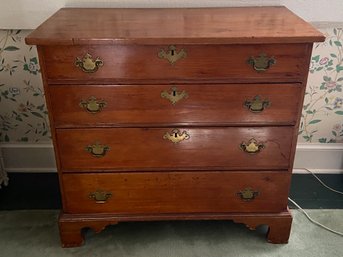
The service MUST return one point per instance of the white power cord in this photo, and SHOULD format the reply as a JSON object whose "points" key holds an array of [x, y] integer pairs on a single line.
{"points": [[308, 216]]}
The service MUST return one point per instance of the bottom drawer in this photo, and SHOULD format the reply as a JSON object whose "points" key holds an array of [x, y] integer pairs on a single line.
{"points": [[175, 192]]}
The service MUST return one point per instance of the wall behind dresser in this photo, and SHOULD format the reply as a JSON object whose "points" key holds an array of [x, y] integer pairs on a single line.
{"points": [[24, 131]]}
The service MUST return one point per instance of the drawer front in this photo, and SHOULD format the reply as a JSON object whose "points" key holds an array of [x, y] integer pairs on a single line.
{"points": [[122, 63], [169, 149], [175, 192], [118, 105]]}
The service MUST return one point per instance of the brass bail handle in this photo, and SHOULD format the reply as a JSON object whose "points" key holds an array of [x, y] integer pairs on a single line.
{"points": [[252, 146], [174, 95], [88, 64], [172, 55], [248, 194], [256, 104], [93, 105], [176, 136], [97, 150], [99, 196], [262, 62]]}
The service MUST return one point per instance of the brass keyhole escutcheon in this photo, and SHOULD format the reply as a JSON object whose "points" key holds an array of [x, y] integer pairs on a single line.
{"points": [[97, 150], [261, 63], [87, 64], [256, 105], [174, 95], [248, 194], [252, 146], [99, 196], [172, 55], [176, 136], [93, 105]]}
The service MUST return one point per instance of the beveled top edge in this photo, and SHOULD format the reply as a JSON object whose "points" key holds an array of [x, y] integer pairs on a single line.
{"points": [[229, 25]]}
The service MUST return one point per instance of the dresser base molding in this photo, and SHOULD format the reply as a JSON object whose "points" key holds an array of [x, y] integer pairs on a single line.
{"points": [[71, 225]]}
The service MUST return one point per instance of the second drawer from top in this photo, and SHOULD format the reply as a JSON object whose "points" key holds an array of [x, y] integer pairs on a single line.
{"points": [[149, 105]]}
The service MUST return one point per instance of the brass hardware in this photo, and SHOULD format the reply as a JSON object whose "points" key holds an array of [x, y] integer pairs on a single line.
{"points": [[174, 96], [100, 196], [256, 104], [172, 55], [97, 150], [176, 136], [87, 64], [248, 194], [252, 146], [92, 105], [262, 62]]}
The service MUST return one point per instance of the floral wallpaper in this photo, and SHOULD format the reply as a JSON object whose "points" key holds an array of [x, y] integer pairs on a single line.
{"points": [[322, 116], [23, 114]]}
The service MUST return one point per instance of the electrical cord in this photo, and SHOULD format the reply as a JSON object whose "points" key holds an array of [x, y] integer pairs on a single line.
{"points": [[308, 216]]}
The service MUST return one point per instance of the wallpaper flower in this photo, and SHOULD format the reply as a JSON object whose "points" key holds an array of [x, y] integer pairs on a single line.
{"points": [[24, 118]]}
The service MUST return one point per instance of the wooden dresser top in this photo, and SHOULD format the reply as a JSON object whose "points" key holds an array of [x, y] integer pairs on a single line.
{"points": [[239, 25]]}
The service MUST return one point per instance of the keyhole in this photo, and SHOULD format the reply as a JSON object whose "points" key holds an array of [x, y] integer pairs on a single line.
{"points": [[174, 92], [175, 135], [172, 52]]}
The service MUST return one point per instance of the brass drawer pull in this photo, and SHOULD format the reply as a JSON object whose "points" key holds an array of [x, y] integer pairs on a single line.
{"points": [[93, 105], [176, 136], [88, 64], [174, 96], [97, 150], [252, 146], [100, 196], [262, 62], [248, 194], [172, 55], [256, 105]]}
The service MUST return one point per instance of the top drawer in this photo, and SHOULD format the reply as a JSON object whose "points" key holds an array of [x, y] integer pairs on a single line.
{"points": [[172, 64]]}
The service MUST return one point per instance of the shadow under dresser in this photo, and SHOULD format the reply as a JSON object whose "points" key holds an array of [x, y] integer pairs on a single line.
{"points": [[169, 114]]}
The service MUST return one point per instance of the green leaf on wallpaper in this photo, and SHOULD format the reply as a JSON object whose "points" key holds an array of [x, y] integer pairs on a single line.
{"points": [[37, 114], [322, 140], [11, 48], [306, 106], [339, 68], [24, 139], [339, 112], [320, 68], [337, 43], [326, 78], [316, 58], [333, 55], [314, 121], [340, 79], [326, 100], [334, 133]]}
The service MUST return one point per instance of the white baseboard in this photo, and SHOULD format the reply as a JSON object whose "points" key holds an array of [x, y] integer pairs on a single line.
{"points": [[319, 158]]}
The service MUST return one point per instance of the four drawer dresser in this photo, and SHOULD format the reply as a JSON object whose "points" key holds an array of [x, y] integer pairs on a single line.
{"points": [[171, 114]]}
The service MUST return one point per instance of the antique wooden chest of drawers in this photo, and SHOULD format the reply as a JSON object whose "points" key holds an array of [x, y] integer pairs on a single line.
{"points": [[161, 114]]}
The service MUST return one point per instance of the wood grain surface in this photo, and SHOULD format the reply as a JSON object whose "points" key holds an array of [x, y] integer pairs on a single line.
{"points": [[242, 25], [176, 192], [142, 105], [146, 149], [227, 63]]}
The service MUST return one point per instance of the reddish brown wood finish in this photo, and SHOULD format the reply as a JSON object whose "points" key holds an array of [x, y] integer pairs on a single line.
{"points": [[242, 25], [217, 62], [143, 105], [176, 192], [197, 178], [146, 149], [71, 224]]}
